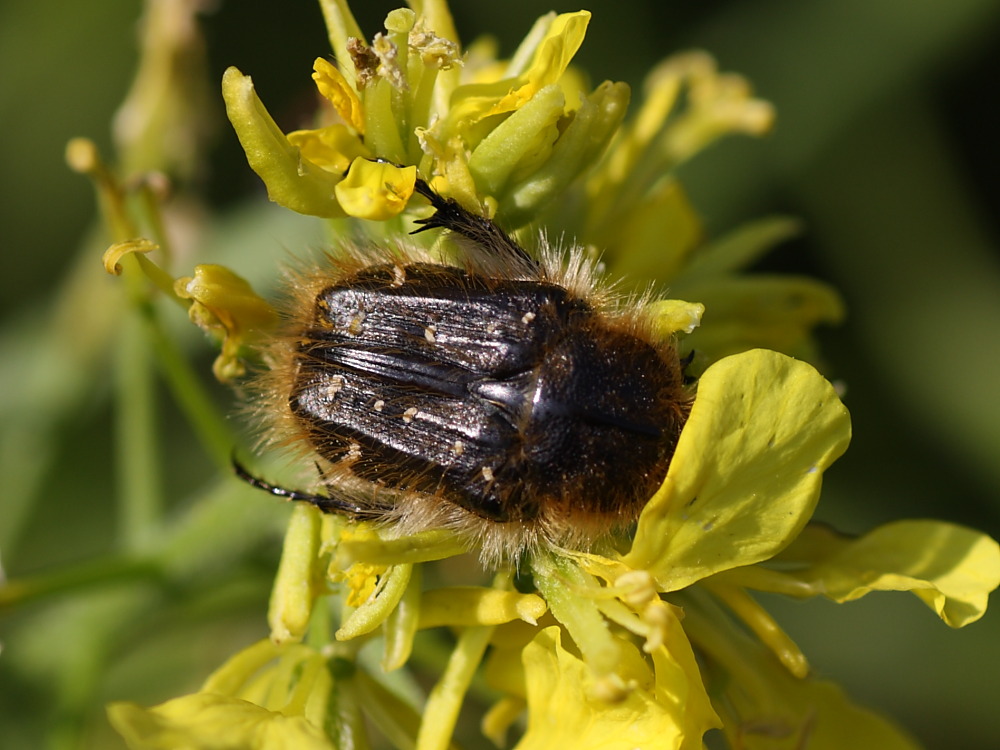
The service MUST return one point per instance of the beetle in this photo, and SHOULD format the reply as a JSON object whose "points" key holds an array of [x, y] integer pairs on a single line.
{"points": [[512, 397]]}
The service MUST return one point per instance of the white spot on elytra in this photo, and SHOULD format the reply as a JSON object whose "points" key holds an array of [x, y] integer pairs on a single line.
{"points": [[458, 447], [379, 404], [527, 317], [409, 414], [357, 323], [398, 275], [429, 332], [487, 473], [335, 386]]}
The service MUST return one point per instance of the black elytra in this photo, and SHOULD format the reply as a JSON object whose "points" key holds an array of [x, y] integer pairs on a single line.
{"points": [[515, 398]]}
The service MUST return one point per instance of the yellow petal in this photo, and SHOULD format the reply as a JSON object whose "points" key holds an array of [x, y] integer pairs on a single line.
{"points": [[718, 105], [663, 133], [679, 683], [213, 722], [747, 471], [290, 678], [333, 148], [473, 102], [376, 190], [229, 297], [335, 88], [550, 61], [763, 706], [113, 255], [231, 677], [291, 180], [951, 568], [818, 715], [136, 250], [503, 670], [563, 713], [499, 718]]}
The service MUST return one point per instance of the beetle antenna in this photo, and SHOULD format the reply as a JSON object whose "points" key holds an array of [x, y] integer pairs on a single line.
{"points": [[450, 214]]}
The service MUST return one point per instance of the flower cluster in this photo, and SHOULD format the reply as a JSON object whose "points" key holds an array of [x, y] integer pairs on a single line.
{"points": [[649, 645]]}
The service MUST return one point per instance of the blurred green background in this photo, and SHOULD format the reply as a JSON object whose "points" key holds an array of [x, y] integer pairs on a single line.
{"points": [[886, 146]]}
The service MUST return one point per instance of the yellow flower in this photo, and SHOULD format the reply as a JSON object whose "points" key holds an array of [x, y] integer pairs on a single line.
{"points": [[223, 304], [218, 301], [510, 135]]}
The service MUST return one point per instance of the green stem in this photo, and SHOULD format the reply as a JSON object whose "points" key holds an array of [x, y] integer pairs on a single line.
{"points": [[139, 491], [320, 624], [150, 202], [759, 578], [445, 700], [564, 586], [761, 624], [711, 630], [209, 426], [347, 719], [76, 578]]}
